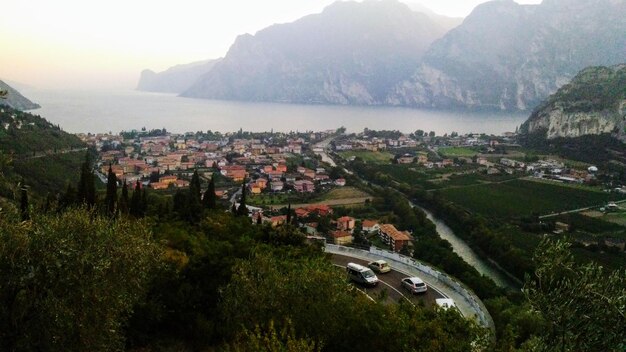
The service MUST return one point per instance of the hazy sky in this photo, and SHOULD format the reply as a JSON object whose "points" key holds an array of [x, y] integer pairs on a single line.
{"points": [[105, 44]]}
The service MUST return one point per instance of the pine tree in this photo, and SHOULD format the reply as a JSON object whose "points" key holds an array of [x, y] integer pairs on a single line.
{"points": [[243, 210], [111, 195], [209, 200], [25, 216]]}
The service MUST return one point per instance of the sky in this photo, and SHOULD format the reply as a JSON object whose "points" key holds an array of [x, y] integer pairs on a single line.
{"points": [[79, 44]]}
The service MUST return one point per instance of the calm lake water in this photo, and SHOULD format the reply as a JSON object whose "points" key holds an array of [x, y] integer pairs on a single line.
{"points": [[115, 111]]}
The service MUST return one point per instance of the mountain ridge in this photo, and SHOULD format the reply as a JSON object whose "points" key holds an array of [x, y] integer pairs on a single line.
{"points": [[594, 103], [15, 99], [351, 53]]}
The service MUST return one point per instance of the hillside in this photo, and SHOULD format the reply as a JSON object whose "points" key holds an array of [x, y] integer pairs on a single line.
{"points": [[14, 99], [351, 53], [34, 150], [507, 56], [593, 103], [175, 79]]}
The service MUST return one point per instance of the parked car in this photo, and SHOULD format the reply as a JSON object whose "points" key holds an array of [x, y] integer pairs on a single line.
{"points": [[363, 275], [414, 284], [379, 266], [445, 303]]}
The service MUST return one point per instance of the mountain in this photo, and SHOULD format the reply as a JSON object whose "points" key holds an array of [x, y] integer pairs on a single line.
{"points": [[176, 79], [16, 100], [446, 22], [351, 53], [508, 56], [593, 103]]}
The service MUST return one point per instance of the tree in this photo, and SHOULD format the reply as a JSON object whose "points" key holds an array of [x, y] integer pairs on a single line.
{"points": [[3, 94], [135, 202], [584, 307], [431, 134], [24, 213], [59, 292], [123, 206], [111, 195], [288, 220], [243, 209], [194, 186], [86, 185], [209, 200], [419, 133]]}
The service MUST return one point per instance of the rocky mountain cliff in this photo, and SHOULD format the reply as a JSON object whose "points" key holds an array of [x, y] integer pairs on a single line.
{"points": [[351, 53], [176, 79], [508, 56], [593, 103], [16, 100]]}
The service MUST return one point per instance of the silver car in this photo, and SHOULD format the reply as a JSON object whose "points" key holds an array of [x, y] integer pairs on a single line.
{"points": [[414, 284]]}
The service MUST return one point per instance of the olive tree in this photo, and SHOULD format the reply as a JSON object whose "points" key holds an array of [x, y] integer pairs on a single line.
{"points": [[583, 305], [69, 280]]}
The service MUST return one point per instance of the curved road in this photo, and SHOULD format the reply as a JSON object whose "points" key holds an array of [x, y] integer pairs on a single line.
{"points": [[390, 282]]}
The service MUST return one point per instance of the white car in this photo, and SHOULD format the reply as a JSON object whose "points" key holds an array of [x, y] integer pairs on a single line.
{"points": [[363, 275], [414, 285], [379, 266], [445, 303]]}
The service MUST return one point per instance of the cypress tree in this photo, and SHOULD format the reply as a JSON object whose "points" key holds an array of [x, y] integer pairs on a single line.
{"points": [[68, 198], [209, 200], [288, 214], [194, 186], [144, 203], [243, 210], [86, 186], [25, 216], [233, 209], [111, 195], [123, 203], [135, 201]]}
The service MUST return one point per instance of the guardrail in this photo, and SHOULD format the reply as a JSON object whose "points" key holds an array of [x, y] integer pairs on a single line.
{"points": [[483, 316]]}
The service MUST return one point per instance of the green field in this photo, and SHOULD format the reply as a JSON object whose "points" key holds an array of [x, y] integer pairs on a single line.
{"points": [[453, 152], [519, 198], [369, 157]]}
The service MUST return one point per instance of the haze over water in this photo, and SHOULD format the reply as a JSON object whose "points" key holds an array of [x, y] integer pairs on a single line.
{"points": [[115, 111]]}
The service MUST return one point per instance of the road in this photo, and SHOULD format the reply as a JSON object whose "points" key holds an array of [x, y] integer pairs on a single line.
{"points": [[577, 210], [325, 157], [390, 282]]}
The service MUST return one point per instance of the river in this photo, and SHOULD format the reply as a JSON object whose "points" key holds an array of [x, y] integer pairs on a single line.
{"points": [[464, 251]]}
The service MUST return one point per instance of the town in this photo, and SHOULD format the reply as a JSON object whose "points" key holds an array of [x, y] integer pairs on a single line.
{"points": [[281, 171]]}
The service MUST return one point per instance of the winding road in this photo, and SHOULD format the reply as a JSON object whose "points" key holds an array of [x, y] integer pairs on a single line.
{"points": [[390, 282]]}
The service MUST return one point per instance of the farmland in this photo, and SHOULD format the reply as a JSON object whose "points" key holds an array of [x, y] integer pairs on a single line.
{"points": [[369, 157], [518, 198]]}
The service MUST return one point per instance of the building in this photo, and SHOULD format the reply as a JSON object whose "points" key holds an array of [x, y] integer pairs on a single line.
{"points": [[346, 223], [394, 238], [370, 226], [341, 237]]}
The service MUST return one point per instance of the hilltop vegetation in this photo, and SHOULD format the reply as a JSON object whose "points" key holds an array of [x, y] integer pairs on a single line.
{"points": [[36, 153]]}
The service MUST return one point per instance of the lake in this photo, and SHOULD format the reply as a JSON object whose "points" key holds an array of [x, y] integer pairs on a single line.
{"points": [[115, 111]]}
